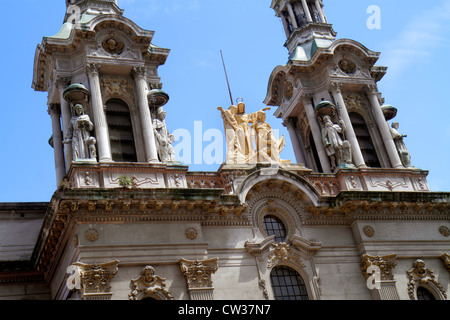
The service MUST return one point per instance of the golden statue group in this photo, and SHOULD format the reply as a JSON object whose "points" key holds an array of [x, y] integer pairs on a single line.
{"points": [[250, 144]]}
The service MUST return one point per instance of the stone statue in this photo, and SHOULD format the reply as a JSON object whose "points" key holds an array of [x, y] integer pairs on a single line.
{"points": [[230, 126], [163, 139], [240, 137], [400, 144], [79, 135], [246, 151], [268, 148], [337, 149]]}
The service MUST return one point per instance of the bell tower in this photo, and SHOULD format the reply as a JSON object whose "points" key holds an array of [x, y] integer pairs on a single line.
{"points": [[105, 99], [328, 98]]}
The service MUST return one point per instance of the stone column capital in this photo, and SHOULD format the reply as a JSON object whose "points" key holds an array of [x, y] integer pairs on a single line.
{"points": [[138, 72], [93, 68], [54, 110]]}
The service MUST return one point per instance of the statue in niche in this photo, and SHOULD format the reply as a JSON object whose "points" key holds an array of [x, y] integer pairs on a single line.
{"points": [[230, 126], [163, 139], [267, 146], [79, 135], [401, 146], [338, 149]]}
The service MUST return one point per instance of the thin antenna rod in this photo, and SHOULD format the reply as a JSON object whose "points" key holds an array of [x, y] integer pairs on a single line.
{"points": [[226, 75]]}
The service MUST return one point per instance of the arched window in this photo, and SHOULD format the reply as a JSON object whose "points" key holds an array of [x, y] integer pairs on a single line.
{"points": [[274, 226], [121, 136], [365, 140], [287, 284], [424, 294]]}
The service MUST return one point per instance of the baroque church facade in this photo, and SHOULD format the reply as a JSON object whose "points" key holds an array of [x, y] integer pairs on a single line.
{"points": [[350, 218]]}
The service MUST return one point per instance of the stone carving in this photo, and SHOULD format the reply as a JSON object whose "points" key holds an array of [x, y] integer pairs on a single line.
{"points": [[113, 86], [400, 144], [385, 263], [240, 137], [95, 280], [149, 285], [198, 273], [91, 234], [191, 233], [446, 259], [113, 46], [338, 149], [282, 253], [347, 66], [368, 231], [268, 147], [79, 135], [444, 230], [420, 275], [163, 139]]}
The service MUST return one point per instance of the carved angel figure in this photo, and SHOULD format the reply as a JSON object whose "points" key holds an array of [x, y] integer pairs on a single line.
{"points": [[112, 46]]}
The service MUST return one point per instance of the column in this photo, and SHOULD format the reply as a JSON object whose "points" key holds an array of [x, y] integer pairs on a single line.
{"points": [[66, 115], [146, 118], [306, 10], [316, 133], [383, 126], [101, 126], [291, 125], [60, 167], [293, 18], [320, 11], [357, 156]]}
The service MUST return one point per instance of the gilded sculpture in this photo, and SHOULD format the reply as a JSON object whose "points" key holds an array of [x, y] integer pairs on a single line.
{"points": [[249, 138]]}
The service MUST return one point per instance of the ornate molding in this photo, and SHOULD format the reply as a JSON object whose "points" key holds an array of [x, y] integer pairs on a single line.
{"points": [[419, 275], [95, 280], [198, 277], [149, 285]]}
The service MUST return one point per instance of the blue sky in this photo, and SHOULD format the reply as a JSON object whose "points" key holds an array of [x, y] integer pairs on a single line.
{"points": [[414, 40]]}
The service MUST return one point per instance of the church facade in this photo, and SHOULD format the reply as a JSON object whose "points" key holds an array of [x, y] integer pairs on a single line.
{"points": [[351, 218]]}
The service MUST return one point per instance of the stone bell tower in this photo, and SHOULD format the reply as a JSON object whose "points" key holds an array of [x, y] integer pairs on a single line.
{"points": [[104, 97], [327, 96]]}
